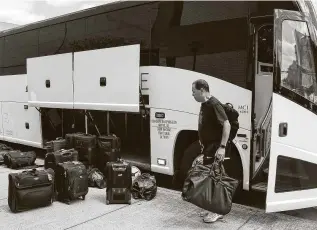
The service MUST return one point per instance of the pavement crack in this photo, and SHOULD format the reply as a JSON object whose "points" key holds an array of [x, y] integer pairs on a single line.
{"points": [[245, 222], [100, 216]]}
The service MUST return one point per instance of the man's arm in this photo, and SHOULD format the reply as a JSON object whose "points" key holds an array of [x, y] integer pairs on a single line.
{"points": [[225, 132]]}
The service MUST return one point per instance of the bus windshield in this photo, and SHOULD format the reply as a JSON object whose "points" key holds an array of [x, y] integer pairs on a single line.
{"points": [[298, 62]]}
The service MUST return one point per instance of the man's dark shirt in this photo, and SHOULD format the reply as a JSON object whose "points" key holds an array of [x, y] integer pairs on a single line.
{"points": [[211, 118]]}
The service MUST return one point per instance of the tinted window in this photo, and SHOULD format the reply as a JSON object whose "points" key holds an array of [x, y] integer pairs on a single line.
{"points": [[207, 37], [17, 48], [51, 38], [117, 28]]}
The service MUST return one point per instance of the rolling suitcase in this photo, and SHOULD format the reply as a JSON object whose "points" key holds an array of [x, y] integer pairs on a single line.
{"points": [[70, 139], [60, 156], [55, 145], [30, 189], [108, 151], [16, 159], [85, 144], [119, 182], [71, 181], [110, 143]]}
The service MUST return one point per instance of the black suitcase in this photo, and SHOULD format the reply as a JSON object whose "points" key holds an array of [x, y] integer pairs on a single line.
{"points": [[108, 151], [70, 139], [16, 159], [109, 143], [85, 144], [30, 189], [60, 156], [55, 145], [71, 181], [119, 182]]}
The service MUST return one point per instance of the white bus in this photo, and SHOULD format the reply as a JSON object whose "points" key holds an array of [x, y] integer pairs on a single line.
{"points": [[132, 64]]}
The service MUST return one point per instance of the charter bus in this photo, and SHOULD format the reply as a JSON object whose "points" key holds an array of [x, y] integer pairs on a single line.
{"points": [[130, 66]]}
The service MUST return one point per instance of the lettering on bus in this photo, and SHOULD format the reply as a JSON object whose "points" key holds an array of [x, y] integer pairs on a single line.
{"points": [[164, 127], [243, 109]]}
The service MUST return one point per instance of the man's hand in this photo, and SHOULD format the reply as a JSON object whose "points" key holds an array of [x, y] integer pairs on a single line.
{"points": [[220, 154]]}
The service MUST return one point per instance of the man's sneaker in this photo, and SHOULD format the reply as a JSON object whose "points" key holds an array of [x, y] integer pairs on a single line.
{"points": [[212, 217]]}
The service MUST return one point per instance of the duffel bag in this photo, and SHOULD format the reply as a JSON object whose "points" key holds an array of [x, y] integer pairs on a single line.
{"points": [[210, 188], [17, 159]]}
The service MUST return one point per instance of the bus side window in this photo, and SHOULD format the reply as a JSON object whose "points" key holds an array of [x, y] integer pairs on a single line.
{"points": [[297, 62]]}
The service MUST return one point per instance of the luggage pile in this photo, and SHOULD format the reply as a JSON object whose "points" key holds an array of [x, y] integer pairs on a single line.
{"points": [[71, 166]]}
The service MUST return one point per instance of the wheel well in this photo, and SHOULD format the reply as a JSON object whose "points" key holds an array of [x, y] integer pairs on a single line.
{"points": [[183, 140]]}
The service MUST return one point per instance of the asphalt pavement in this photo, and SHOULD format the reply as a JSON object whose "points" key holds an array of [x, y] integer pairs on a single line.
{"points": [[166, 211]]}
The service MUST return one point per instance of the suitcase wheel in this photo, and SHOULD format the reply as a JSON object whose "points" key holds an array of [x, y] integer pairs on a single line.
{"points": [[83, 197], [129, 202], [107, 202]]}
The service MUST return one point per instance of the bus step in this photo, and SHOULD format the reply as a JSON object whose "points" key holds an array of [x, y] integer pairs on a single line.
{"points": [[261, 187]]}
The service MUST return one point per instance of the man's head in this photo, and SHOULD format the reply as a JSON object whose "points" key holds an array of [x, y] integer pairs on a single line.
{"points": [[200, 90]]}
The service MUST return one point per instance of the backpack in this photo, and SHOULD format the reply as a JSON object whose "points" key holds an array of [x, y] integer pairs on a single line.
{"points": [[232, 115]]}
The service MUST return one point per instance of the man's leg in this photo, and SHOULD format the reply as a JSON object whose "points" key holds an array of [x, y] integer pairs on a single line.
{"points": [[209, 156]]}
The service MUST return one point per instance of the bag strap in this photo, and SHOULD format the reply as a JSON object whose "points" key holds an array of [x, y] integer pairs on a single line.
{"points": [[221, 167]]}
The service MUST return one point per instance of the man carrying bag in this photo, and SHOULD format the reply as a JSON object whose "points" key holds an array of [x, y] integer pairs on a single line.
{"points": [[207, 184], [210, 188]]}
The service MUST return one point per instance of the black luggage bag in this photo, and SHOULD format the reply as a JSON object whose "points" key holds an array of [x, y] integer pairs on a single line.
{"points": [[119, 182], [71, 181], [55, 145], [60, 156], [4, 147], [16, 159], [110, 143], [70, 139], [85, 144], [108, 151], [2, 155], [30, 189]]}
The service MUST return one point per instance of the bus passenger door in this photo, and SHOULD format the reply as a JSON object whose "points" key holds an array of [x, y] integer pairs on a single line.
{"points": [[292, 181]]}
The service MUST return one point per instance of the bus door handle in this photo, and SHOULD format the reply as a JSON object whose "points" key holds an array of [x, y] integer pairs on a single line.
{"points": [[283, 129]]}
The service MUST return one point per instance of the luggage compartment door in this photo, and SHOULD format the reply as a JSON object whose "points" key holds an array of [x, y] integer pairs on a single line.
{"points": [[27, 125], [50, 81], [21, 124], [13, 88], [107, 79], [8, 122]]}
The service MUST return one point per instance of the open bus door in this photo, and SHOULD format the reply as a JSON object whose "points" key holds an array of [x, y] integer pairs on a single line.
{"points": [[292, 181]]}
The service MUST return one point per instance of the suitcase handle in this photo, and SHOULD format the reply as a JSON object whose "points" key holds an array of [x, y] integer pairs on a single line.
{"points": [[32, 172], [66, 153]]}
